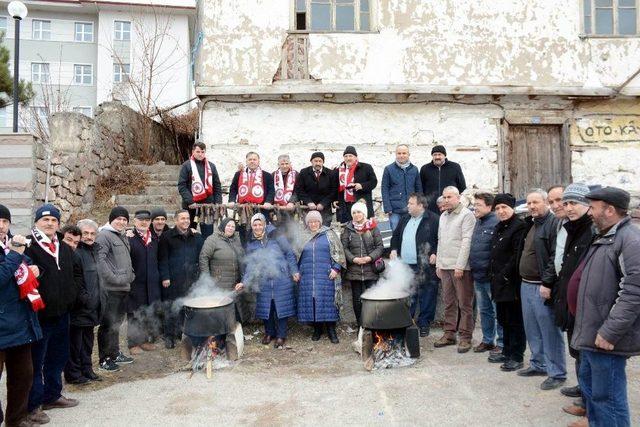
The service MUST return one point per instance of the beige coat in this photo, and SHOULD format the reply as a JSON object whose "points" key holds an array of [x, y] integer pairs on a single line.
{"points": [[454, 239]]}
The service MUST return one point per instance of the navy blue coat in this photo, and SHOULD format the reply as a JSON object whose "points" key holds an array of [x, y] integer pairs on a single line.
{"points": [[18, 322], [270, 265], [88, 308], [397, 185], [480, 253], [145, 289], [315, 265], [179, 262]]}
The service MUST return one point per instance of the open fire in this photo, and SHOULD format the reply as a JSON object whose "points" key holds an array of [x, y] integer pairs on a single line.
{"points": [[208, 356], [387, 350]]}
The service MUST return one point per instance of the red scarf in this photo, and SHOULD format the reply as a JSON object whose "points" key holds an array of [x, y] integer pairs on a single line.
{"points": [[284, 189], [199, 190], [27, 283], [368, 225], [146, 237], [346, 176], [250, 187]]}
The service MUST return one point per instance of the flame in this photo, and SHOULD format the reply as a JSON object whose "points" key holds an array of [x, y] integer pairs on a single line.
{"points": [[383, 341]]}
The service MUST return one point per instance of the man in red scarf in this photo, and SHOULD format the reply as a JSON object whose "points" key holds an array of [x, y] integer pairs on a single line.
{"points": [[356, 180], [284, 181]]}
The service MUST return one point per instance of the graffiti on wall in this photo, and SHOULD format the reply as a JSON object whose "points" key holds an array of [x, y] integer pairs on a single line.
{"points": [[606, 129]]}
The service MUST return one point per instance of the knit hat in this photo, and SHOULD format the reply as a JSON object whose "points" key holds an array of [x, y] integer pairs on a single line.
{"points": [[317, 154], [5, 213], [223, 223], [360, 207], [258, 217], [155, 213], [439, 149], [350, 150], [47, 210], [142, 214], [118, 212], [504, 199], [313, 215], [576, 192]]}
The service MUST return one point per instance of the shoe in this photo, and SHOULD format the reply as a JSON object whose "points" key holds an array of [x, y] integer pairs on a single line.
{"points": [[511, 365], [317, 333], [267, 339], [571, 391], [424, 331], [62, 402], [279, 343], [169, 343], [444, 341], [149, 346], [582, 422], [496, 350], [92, 376], [575, 410], [497, 358], [37, 416], [464, 346], [78, 381], [123, 360], [552, 383], [108, 365], [333, 336], [26, 423], [482, 347], [531, 372], [136, 350]]}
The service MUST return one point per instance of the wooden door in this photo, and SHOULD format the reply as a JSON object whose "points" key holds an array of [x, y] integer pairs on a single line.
{"points": [[538, 156]]}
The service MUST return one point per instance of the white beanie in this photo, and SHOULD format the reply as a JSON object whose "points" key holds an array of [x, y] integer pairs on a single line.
{"points": [[360, 207]]}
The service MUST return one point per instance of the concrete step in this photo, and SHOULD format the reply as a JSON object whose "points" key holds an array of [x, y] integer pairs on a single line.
{"points": [[170, 208], [163, 176], [161, 190], [163, 183], [145, 199], [159, 168]]}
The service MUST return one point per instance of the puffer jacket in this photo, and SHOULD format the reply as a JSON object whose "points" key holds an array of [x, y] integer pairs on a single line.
{"points": [[397, 185], [114, 260], [454, 239], [503, 261], [358, 245], [545, 247], [609, 293], [87, 311], [481, 246]]}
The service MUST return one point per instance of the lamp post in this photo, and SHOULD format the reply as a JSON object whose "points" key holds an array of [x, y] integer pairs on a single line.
{"points": [[18, 10]]}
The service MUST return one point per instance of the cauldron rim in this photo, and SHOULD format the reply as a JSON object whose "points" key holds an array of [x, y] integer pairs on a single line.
{"points": [[373, 298], [186, 303]]}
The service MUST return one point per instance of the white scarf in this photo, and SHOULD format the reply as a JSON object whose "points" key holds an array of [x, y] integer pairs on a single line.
{"points": [[284, 190], [43, 241]]}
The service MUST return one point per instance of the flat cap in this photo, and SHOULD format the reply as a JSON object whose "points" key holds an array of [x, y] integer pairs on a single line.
{"points": [[612, 195]]}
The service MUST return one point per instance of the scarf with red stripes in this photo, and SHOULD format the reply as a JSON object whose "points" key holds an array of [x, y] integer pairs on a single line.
{"points": [[284, 187], [27, 283], [199, 190], [346, 176]]}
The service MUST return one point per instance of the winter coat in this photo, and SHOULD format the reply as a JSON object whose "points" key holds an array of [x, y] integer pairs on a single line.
{"points": [[269, 266], [114, 260], [397, 185], [358, 245], [545, 246], [481, 246], [579, 237], [18, 322], [609, 292], [178, 262], [267, 184], [323, 190], [455, 231], [426, 236], [88, 308], [185, 180], [503, 261], [145, 289], [434, 179], [365, 176], [317, 292]]}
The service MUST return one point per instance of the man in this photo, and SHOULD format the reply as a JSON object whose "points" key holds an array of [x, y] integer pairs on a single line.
{"points": [[59, 290], [557, 207], [604, 295], [452, 267], [415, 240], [316, 187], [86, 314], [199, 183], [145, 289], [284, 181], [440, 205], [71, 235], [116, 274], [356, 180], [479, 258], [438, 174], [19, 327], [158, 222], [399, 179], [538, 276], [178, 256]]}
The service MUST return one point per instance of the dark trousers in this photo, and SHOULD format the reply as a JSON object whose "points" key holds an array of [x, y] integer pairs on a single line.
{"points": [[81, 347], [509, 316], [427, 295], [357, 289], [49, 356], [275, 326], [19, 366], [205, 229], [115, 311], [172, 322]]}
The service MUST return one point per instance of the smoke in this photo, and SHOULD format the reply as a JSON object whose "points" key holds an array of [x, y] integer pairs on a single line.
{"points": [[205, 286], [397, 281], [260, 265], [297, 235]]}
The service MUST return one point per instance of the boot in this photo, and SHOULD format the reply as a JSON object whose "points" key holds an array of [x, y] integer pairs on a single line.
{"points": [[331, 331], [317, 331]]}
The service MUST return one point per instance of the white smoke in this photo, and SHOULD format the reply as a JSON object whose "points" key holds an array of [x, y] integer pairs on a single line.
{"points": [[397, 281], [204, 287]]}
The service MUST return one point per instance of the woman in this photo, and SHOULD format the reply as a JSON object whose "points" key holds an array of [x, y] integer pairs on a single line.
{"points": [[362, 244], [270, 267], [320, 262]]}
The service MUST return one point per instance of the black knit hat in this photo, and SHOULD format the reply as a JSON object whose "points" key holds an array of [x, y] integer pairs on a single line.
{"points": [[439, 149], [5, 213], [155, 213], [504, 199], [117, 212], [350, 150], [317, 154]]}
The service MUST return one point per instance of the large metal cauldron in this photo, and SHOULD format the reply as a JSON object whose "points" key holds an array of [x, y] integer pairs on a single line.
{"points": [[207, 316], [388, 312]]}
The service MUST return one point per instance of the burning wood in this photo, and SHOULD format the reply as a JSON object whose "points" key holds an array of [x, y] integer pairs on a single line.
{"points": [[388, 352], [207, 357]]}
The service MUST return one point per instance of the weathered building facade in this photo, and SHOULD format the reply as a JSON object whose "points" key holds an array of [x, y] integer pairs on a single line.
{"points": [[521, 93]]}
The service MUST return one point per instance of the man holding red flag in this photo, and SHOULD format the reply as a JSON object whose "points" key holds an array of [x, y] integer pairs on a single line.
{"points": [[356, 180]]}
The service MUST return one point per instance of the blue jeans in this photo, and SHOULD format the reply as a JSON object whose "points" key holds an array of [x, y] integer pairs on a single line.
{"points": [[49, 356], [603, 382], [487, 314], [546, 341], [275, 326], [426, 295], [394, 220]]}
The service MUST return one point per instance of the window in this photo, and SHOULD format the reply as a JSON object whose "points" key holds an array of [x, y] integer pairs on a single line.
{"points": [[40, 117], [87, 111], [83, 74], [122, 30], [3, 117], [39, 72], [610, 17], [3, 25], [333, 15], [41, 30], [83, 32], [121, 72]]}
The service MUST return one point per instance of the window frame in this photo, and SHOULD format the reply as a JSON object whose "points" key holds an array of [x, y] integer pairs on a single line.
{"points": [[83, 33], [120, 72], [357, 23], [82, 75], [121, 31], [615, 6], [40, 73], [41, 32]]}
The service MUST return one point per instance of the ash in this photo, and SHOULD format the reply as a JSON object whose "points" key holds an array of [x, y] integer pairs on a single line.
{"points": [[208, 356], [388, 353]]}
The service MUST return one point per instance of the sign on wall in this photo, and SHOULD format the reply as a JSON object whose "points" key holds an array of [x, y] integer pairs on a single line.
{"points": [[609, 128]]}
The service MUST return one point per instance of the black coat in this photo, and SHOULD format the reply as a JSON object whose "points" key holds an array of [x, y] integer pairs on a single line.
{"points": [[145, 289], [58, 286], [579, 237], [503, 263], [426, 236], [308, 189], [179, 256], [545, 247], [184, 183], [87, 311], [365, 176], [435, 179]]}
